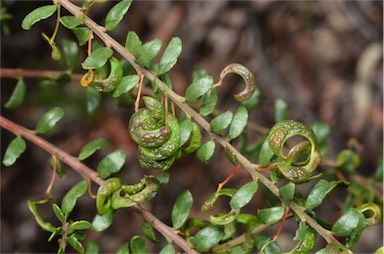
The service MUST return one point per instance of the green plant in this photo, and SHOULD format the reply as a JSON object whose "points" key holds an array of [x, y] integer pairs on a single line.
{"points": [[162, 138]]}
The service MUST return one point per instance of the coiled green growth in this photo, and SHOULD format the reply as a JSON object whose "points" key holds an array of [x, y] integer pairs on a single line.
{"points": [[158, 140]]}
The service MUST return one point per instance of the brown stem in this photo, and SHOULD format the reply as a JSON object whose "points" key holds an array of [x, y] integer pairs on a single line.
{"points": [[16, 73]]}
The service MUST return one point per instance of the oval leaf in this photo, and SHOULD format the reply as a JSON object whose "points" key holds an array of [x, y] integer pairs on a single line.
{"points": [[207, 238], [123, 249], [93, 100], [82, 34], [92, 247], [244, 195], [266, 154], [75, 243], [112, 163], [97, 58], [148, 52], [17, 96], [133, 43], [198, 88], [208, 102], [70, 199], [116, 14], [14, 150], [59, 214], [71, 21], [138, 245], [126, 84], [168, 249], [92, 147], [205, 152], [148, 232], [102, 222], [350, 223], [71, 52], [271, 215], [171, 53], [80, 225], [221, 122], [239, 122], [287, 192], [318, 193], [36, 15], [49, 120], [181, 209]]}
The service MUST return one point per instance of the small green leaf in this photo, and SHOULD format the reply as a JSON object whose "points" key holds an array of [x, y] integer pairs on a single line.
{"points": [[112, 163], [138, 245], [126, 84], [205, 152], [47, 226], [171, 53], [80, 225], [198, 88], [186, 127], [181, 209], [14, 150], [321, 131], [92, 247], [318, 193], [75, 243], [148, 52], [36, 15], [148, 232], [82, 34], [71, 52], [266, 154], [239, 122], [59, 214], [123, 249], [17, 96], [244, 195], [350, 225], [93, 99], [92, 147], [221, 122], [133, 43], [71, 22], [207, 238], [102, 222], [208, 102], [116, 14], [69, 200], [49, 120], [97, 58], [252, 102], [271, 215], [287, 192], [168, 249], [281, 110]]}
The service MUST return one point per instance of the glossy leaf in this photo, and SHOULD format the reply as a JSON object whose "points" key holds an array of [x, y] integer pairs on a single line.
{"points": [[252, 102], [287, 192], [13, 151], [126, 84], [281, 110], [207, 238], [71, 22], [59, 214], [168, 249], [271, 215], [69, 200], [80, 225], [82, 34], [351, 224], [92, 247], [244, 195], [112, 163], [102, 222], [38, 14], [221, 122], [92, 147], [71, 53], [271, 248], [266, 154], [49, 120], [138, 245], [185, 131], [181, 209], [205, 152], [123, 249], [148, 232], [319, 192], [133, 43], [93, 99], [171, 53], [17, 96], [116, 14], [239, 122], [198, 88], [75, 243], [97, 58], [148, 52], [208, 102]]}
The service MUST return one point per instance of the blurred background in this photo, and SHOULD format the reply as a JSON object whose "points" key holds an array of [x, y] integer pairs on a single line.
{"points": [[323, 58]]}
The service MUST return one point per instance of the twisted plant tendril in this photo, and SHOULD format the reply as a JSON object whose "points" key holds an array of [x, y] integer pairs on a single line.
{"points": [[293, 171], [96, 80], [249, 79], [306, 243], [158, 140], [375, 217]]}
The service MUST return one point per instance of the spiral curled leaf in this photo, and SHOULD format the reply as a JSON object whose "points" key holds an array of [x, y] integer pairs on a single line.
{"points": [[375, 213], [306, 236]]}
